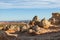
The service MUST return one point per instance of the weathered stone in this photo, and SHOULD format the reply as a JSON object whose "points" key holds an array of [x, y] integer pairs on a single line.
{"points": [[30, 30], [6, 27], [35, 18], [32, 23], [3, 36], [35, 21], [45, 23], [35, 30], [55, 19], [13, 29], [24, 28]]}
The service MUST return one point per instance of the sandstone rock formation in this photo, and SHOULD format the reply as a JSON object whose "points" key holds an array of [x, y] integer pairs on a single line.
{"points": [[35, 21], [55, 19], [35, 30], [13, 29], [35, 18], [3, 36], [6, 27], [45, 23], [24, 28], [7, 36]]}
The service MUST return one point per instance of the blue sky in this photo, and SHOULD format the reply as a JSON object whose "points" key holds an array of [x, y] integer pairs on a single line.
{"points": [[27, 9]]}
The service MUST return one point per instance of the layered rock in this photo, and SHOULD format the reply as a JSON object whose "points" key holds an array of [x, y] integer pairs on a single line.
{"points": [[35, 30], [3, 36], [55, 19], [45, 23], [35, 21], [35, 18]]}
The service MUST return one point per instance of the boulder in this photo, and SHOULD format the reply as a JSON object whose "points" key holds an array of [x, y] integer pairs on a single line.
{"points": [[3, 36], [32, 23], [35, 21], [35, 18], [45, 23], [24, 28], [35, 30], [55, 19]]}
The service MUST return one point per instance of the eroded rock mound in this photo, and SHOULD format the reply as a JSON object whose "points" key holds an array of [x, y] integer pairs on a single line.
{"points": [[3, 36], [55, 19], [35, 21], [45, 23], [35, 18], [34, 30]]}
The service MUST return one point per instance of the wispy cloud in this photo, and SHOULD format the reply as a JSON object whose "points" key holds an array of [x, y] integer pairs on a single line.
{"points": [[4, 4]]}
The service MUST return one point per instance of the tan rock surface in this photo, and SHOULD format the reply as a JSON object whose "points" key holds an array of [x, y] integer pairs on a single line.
{"points": [[45, 23], [35, 21], [35, 18], [55, 19]]}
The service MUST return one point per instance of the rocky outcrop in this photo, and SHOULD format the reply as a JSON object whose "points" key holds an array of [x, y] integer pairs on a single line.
{"points": [[45, 23], [7, 36], [3, 36], [35, 21], [55, 19], [35, 18], [35, 30], [40, 27]]}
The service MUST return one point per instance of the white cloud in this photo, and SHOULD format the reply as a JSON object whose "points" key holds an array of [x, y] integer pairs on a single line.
{"points": [[29, 4]]}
